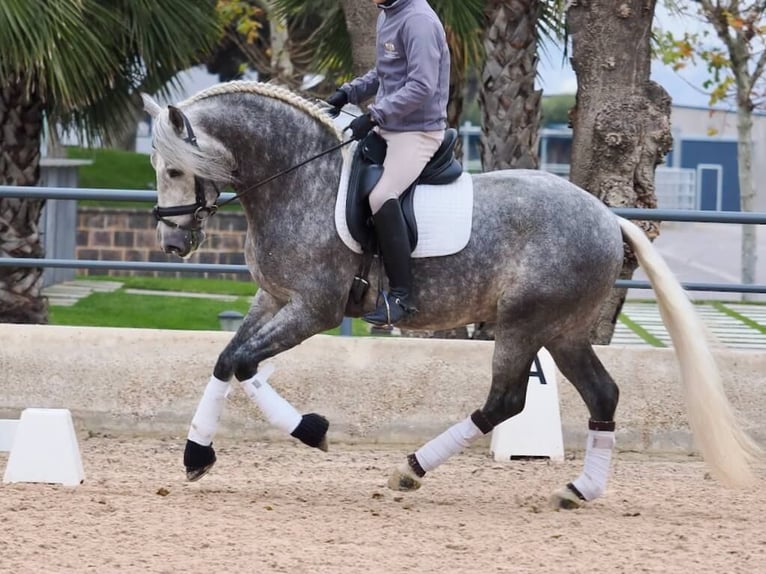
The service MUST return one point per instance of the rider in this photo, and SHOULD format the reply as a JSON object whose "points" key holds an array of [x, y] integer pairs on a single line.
{"points": [[410, 83]]}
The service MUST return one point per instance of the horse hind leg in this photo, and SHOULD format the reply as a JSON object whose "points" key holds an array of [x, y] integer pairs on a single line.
{"points": [[513, 357], [580, 365]]}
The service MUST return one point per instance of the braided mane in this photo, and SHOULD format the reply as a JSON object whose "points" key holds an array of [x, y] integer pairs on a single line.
{"points": [[212, 160], [270, 91]]}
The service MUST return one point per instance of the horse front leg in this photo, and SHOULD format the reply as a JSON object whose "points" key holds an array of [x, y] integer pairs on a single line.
{"points": [[268, 330], [293, 324], [199, 455]]}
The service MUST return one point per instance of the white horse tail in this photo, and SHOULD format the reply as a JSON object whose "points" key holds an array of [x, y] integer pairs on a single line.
{"points": [[726, 448]]}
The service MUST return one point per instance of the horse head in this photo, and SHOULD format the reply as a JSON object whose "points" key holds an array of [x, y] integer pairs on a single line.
{"points": [[191, 167]]}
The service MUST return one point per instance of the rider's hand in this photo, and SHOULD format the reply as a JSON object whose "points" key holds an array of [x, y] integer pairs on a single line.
{"points": [[361, 126], [337, 101]]}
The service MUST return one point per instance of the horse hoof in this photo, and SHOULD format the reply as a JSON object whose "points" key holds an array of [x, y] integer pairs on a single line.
{"points": [[198, 460], [565, 499], [404, 480], [194, 474], [312, 431]]}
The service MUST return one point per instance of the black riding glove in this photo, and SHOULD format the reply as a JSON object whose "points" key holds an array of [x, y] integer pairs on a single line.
{"points": [[337, 101], [361, 126]]}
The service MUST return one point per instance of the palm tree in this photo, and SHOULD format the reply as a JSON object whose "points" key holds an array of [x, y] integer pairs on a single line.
{"points": [[105, 53], [510, 104]]}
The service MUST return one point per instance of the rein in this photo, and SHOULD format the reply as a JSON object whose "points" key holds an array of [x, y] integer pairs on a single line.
{"points": [[286, 171], [200, 209]]}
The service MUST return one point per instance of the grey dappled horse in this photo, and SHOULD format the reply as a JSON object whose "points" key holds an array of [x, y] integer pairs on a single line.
{"points": [[542, 257]]}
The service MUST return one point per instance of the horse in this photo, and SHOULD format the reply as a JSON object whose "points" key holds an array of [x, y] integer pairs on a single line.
{"points": [[541, 257]]}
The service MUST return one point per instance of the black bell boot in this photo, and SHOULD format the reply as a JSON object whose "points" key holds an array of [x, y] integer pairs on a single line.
{"points": [[394, 242]]}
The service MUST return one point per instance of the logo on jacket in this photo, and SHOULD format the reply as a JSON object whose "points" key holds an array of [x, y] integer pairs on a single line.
{"points": [[390, 49]]}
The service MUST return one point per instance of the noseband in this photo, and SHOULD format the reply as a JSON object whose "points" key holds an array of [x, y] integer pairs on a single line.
{"points": [[200, 210]]}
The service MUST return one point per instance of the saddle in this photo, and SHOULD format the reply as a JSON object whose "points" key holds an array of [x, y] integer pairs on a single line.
{"points": [[366, 170]]}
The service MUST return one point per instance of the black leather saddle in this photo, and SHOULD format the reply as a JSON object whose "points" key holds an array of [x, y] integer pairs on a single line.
{"points": [[366, 170]]}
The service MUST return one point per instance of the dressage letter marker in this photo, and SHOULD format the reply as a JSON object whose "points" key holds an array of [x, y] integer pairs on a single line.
{"points": [[45, 449], [535, 431]]}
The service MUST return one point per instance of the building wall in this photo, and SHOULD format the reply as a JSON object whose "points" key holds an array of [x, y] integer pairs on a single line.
{"points": [[130, 235], [712, 126]]}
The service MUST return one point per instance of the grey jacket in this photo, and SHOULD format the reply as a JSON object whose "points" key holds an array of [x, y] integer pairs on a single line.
{"points": [[410, 80]]}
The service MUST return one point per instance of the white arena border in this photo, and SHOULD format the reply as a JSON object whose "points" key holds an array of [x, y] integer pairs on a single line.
{"points": [[373, 390]]}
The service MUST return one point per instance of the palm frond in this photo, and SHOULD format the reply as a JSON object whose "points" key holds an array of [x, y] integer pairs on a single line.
{"points": [[464, 22], [53, 46]]}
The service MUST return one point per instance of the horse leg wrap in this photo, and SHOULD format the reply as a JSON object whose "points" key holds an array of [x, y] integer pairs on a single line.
{"points": [[205, 421], [277, 410], [450, 442], [311, 431], [598, 455]]}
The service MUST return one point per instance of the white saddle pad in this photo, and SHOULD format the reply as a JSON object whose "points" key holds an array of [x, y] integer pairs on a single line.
{"points": [[443, 213]]}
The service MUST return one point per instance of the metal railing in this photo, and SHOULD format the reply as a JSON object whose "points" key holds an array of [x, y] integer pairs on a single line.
{"points": [[66, 193]]}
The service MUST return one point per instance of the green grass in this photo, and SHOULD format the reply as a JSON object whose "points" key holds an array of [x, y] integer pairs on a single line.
{"points": [[121, 309], [188, 285], [114, 169]]}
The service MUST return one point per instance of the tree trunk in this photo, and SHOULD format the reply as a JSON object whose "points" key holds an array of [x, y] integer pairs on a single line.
{"points": [[361, 18], [21, 299], [747, 195], [511, 107], [621, 120], [282, 70], [126, 138], [510, 104]]}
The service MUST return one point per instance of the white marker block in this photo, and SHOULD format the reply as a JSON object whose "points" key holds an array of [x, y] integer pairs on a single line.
{"points": [[535, 431], [45, 449], [7, 433]]}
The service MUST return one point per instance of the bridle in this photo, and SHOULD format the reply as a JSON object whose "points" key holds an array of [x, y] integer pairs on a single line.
{"points": [[200, 210]]}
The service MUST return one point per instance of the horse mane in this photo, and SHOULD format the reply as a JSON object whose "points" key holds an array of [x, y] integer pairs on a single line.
{"points": [[211, 159]]}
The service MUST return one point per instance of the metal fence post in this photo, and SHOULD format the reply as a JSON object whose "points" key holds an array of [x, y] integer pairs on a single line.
{"points": [[59, 217]]}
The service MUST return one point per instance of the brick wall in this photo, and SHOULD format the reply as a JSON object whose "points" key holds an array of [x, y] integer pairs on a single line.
{"points": [[106, 234]]}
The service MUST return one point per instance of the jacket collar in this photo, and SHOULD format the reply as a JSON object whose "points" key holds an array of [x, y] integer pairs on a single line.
{"points": [[393, 5]]}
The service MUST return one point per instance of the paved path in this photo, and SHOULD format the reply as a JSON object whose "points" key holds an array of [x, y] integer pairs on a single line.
{"points": [[68, 293], [736, 329]]}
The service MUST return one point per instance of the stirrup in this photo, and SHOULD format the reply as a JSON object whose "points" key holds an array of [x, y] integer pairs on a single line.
{"points": [[393, 315]]}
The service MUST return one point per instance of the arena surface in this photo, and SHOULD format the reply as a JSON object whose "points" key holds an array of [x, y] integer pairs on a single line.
{"points": [[281, 507]]}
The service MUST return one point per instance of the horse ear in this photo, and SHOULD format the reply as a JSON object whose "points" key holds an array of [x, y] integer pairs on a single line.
{"points": [[150, 106], [176, 119]]}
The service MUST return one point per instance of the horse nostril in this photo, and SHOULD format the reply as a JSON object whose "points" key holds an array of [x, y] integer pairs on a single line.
{"points": [[174, 250]]}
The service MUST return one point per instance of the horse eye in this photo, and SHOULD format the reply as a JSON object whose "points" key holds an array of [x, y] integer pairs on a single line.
{"points": [[173, 173]]}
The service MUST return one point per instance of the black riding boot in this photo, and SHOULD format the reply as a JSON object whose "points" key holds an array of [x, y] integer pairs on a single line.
{"points": [[394, 243]]}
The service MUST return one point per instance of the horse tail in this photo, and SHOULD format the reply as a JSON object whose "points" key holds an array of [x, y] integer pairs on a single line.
{"points": [[726, 448]]}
